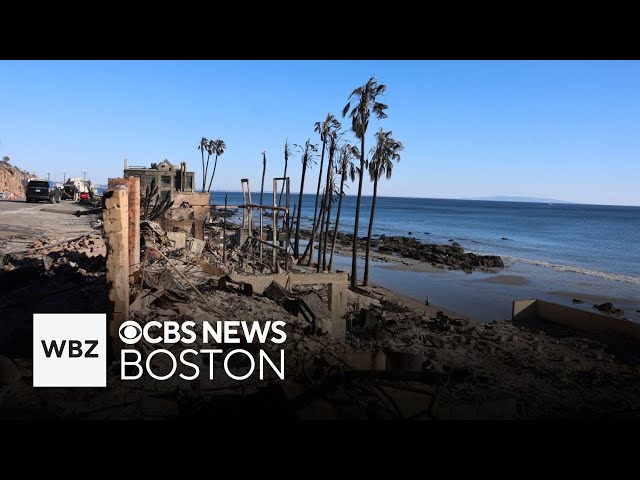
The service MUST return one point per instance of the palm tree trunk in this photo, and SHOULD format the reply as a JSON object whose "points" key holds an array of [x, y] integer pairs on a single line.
{"points": [[283, 183], [326, 234], [323, 211], [215, 164], [354, 253], [328, 195], [296, 245], [203, 179], [290, 225], [206, 172], [335, 231], [264, 168], [315, 209], [366, 282]]}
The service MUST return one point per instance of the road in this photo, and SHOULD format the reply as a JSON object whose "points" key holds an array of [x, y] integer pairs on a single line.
{"points": [[21, 223]]}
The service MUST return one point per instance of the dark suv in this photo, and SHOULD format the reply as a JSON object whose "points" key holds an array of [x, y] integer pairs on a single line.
{"points": [[42, 190]]}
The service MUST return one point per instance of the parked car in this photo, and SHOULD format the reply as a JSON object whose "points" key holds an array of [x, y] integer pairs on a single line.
{"points": [[42, 190]]}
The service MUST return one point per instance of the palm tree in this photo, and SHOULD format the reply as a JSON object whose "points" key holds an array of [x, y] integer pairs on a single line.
{"points": [[204, 146], [346, 167], [218, 147], [325, 210], [307, 157], [333, 195], [328, 192], [386, 151], [264, 168], [287, 152], [366, 102], [323, 128]]}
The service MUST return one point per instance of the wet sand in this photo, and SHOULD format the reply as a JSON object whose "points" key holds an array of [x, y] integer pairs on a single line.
{"points": [[590, 297], [414, 266], [508, 280]]}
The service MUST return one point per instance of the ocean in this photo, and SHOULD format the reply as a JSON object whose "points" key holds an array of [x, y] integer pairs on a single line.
{"points": [[598, 239], [560, 250]]}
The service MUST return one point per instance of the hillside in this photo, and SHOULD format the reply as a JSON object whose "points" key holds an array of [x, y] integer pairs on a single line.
{"points": [[11, 180]]}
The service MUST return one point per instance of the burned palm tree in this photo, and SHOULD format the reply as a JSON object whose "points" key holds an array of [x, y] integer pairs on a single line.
{"points": [[203, 147], [218, 146], [287, 153], [386, 151], [345, 168], [334, 191], [264, 169], [323, 129], [328, 192], [152, 204], [366, 102], [307, 159]]}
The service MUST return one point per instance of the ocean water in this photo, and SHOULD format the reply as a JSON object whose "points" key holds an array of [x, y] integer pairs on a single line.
{"points": [[595, 239], [557, 252]]}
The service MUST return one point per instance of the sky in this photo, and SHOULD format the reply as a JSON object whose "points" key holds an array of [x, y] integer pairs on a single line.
{"points": [[567, 130]]}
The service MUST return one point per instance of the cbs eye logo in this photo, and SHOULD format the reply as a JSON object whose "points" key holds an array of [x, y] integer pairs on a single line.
{"points": [[130, 332]]}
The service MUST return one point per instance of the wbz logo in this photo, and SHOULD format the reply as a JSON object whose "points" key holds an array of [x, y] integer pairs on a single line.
{"points": [[69, 350], [75, 348]]}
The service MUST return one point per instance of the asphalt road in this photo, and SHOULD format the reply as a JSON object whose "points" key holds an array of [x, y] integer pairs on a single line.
{"points": [[21, 223]]}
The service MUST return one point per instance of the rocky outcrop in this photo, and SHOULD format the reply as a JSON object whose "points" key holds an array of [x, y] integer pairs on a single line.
{"points": [[452, 256], [11, 180]]}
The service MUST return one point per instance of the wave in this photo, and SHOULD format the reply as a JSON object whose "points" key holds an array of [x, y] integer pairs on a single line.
{"points": [[580, 270]]}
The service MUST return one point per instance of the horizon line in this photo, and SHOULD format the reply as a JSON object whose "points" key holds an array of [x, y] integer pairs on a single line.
{"points": [[481, 199]]}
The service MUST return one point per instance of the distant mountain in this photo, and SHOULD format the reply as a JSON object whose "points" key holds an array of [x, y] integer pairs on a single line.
{"points": [[520, 199]]}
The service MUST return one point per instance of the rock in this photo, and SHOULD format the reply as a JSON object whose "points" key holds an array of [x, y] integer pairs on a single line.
{"points": [[410, 233], [609, 308], [577, 300], [9, 372], [504, 238]]}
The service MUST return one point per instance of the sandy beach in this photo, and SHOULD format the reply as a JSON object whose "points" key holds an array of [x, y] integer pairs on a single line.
{"points": [[487, 294]]}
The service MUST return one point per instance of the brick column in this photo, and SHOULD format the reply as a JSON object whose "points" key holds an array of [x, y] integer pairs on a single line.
{"points": [[133, 184], [116, 227]]}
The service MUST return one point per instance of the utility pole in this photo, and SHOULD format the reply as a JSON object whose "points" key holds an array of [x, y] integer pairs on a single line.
{"points": [[64, 177], [48, 176], [84, 176]]}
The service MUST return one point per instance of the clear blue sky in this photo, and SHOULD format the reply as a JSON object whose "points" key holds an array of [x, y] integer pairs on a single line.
{"points": [[562, 129]]}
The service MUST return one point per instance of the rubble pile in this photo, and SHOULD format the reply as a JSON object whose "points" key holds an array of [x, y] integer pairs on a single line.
{"points": [[400, 359]]}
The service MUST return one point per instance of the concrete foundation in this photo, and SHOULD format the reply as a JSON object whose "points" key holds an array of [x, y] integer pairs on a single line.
{"points": [[338, 288], [199, 208], [193, 228], [116, 227], [573, 317]]}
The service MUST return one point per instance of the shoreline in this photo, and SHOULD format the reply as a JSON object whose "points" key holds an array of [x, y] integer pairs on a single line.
{"points": [[499, 287]]}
